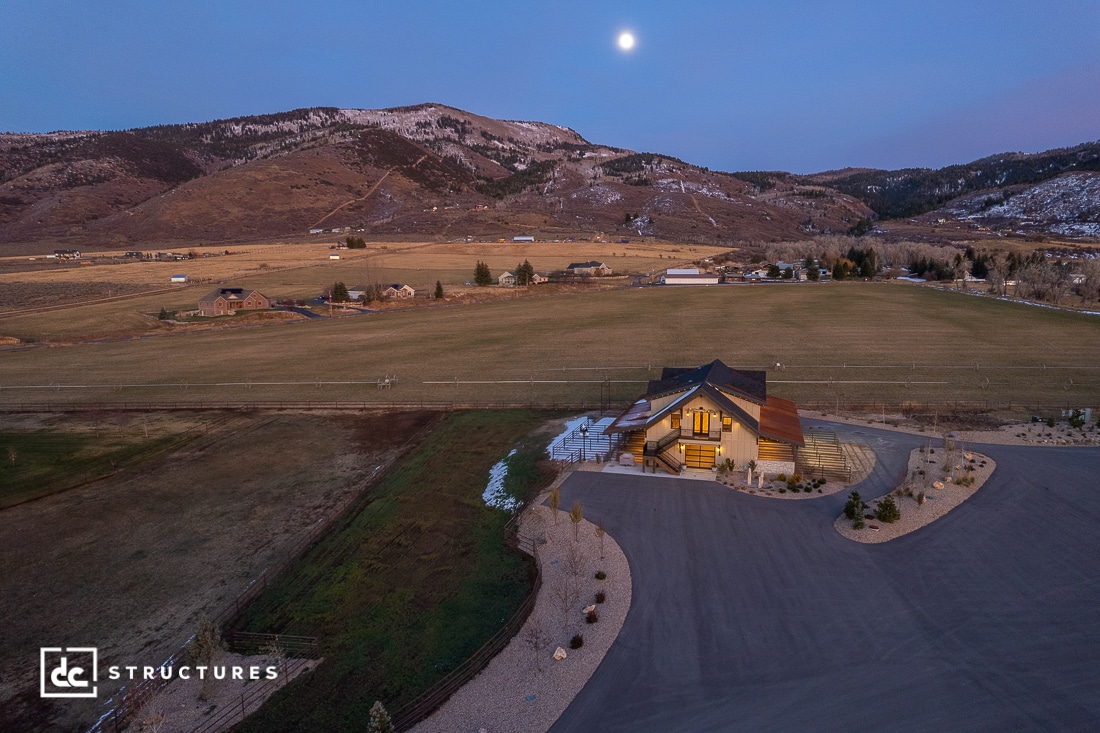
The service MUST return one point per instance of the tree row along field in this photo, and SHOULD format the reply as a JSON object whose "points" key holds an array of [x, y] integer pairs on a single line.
{"points": [[845, 342]]}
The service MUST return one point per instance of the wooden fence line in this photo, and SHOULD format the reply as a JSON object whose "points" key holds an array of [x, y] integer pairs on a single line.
{"points": [[135, 697], [429, 701]]}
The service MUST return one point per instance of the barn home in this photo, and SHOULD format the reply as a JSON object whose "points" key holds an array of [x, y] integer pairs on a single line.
{"points": [[227, 301], [700, 417]]}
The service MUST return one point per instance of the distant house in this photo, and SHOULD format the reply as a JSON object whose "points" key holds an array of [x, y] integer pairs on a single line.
{"points": [[179, 278], [397, 291], [538, 279], [316, 230], [523, 238], [67, 254], [134, 255], [506, 280], [588, 269], [688, 276], [227, 301]]}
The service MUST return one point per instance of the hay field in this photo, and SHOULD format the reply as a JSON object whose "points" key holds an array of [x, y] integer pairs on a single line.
{"points": [[916, 344], [297, 271]]}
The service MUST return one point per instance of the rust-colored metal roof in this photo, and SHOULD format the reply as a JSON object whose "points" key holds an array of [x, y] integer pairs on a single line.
{"points": [[779, 421]]}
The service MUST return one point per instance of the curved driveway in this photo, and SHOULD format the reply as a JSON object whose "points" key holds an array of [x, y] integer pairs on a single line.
{"points": [[754, 614]]}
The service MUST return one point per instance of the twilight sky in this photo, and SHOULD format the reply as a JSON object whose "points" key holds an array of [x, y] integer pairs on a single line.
{"points": [[798, 85]]}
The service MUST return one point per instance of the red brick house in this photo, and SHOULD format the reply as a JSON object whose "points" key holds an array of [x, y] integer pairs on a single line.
{"points": [[227, 301]]}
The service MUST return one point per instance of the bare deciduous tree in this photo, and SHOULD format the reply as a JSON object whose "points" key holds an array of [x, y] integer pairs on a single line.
{"points": [[576, 514], [536, 637], [555, 502], [601, 532]]}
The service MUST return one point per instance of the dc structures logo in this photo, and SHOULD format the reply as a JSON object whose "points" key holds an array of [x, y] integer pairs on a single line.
{"points": [[69, 671]]}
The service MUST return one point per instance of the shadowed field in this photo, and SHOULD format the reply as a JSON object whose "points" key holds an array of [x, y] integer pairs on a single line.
{"points": [[846, 342]]}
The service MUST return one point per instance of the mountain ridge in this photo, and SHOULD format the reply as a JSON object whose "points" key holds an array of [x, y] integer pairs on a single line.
{"points": [[431, 169]]}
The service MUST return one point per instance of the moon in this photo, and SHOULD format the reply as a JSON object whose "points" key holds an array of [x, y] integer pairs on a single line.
{"points": [[626, 40]]}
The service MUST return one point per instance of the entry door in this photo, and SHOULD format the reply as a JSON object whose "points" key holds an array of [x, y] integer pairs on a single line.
{"points": [[701, 424], [699, 456]]}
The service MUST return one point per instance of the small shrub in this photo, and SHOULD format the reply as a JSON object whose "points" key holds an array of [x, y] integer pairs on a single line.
{"points": [[576, 642], [782, 491], [781, 477], [601, 597], [854, 506], [921, 498], [591, 617], [797, 478], [1050, 422], [887, 510], [808, 489], [601, 575]]}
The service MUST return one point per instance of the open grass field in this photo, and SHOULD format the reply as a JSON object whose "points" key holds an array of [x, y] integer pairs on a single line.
{"points": [[131, 562], [409, 587], [839, 343]]}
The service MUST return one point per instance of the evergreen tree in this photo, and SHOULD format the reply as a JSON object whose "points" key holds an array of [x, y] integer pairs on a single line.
{"points": [[887, 510], [482, 276], [525, 273], [379, 719], [438, 290], [340, 293]]}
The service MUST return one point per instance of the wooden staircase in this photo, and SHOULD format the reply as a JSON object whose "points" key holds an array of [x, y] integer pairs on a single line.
{"points": [[634, 444], [822, 457]]}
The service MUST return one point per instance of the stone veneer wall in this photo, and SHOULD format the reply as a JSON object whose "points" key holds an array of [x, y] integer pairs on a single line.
{"points": [[774, 467]]}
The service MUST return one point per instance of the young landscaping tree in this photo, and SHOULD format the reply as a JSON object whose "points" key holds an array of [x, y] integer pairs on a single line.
{"points": [[574, 561], [163, 314], [340, 293], [566, 595], [854, 506], [482, 275], [576, 514], [600, 533], [555, 502], [535, 636], [379, 719], [887, 511], [438, 290]]}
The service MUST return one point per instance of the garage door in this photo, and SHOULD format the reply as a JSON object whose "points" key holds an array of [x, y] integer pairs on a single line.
{"points": [[699, 456]]}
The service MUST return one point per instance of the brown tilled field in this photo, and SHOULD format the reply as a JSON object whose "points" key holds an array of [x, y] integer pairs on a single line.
{"points": [[130, 563]]}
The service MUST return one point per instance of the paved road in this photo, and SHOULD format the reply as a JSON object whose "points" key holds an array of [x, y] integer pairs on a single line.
{"points": [[752, 614]]}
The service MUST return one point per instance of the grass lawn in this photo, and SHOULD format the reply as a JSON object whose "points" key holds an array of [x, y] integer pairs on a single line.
{"points": [[410, 586], [43, 462]]}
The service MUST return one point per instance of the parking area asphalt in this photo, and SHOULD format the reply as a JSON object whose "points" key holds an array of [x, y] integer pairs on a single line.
{"points": [[753, 614]]}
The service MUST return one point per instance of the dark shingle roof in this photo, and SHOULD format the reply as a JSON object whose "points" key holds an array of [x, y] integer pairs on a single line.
{"points": [[749, 384]]}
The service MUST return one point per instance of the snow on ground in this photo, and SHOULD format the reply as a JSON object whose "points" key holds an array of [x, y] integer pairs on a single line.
{"points": [[598, 195], [494, 494], [1065, 205]]}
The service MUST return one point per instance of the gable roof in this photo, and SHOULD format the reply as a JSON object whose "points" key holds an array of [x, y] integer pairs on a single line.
{"points": [[719, 384], [751, 385], [582, 265], [228, 294]]}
